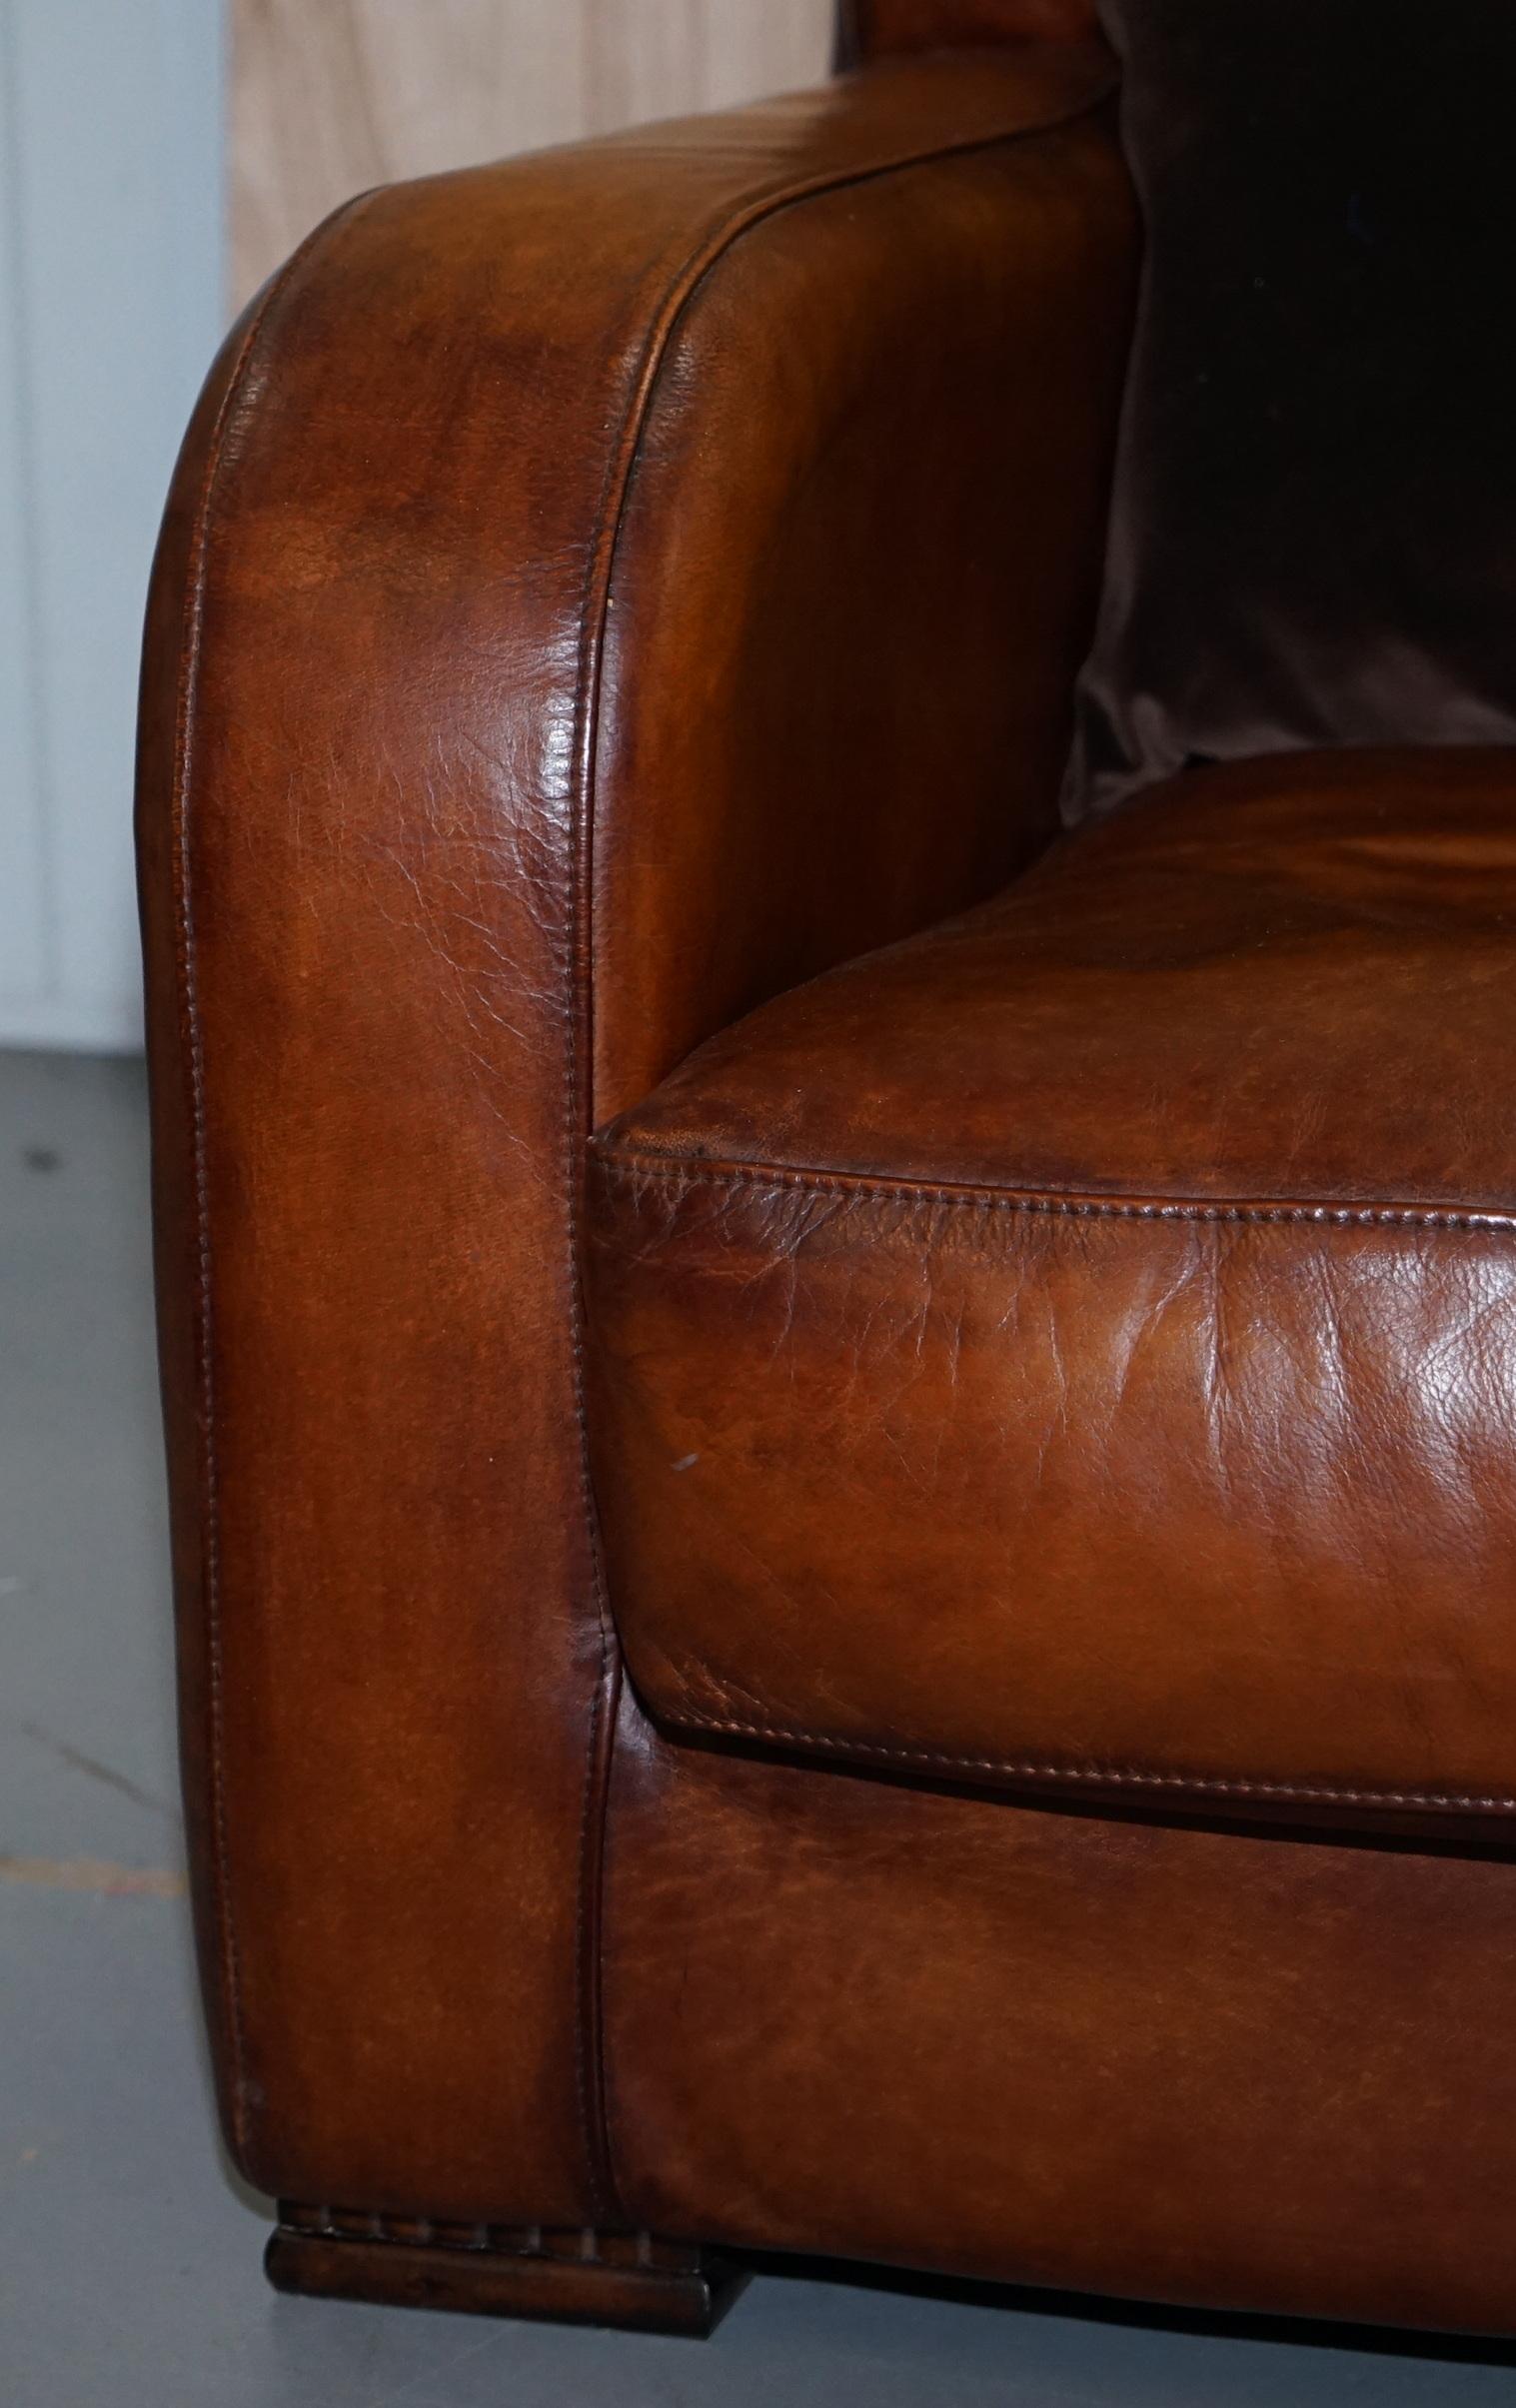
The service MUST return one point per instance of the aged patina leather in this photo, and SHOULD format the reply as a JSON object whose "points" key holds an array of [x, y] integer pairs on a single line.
{"points": [[1073, 1346], [658, 1145]]}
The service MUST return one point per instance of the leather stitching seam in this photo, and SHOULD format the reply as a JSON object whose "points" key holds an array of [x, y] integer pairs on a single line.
{"points": [[634, 1168], [1108, 1777], [187, 960]]}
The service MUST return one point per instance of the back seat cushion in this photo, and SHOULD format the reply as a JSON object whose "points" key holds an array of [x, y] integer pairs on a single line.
{"points": [[1314, 537]]}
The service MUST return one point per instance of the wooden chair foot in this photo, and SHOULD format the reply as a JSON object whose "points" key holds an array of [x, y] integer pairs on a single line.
{"points": [[628, 2280]]}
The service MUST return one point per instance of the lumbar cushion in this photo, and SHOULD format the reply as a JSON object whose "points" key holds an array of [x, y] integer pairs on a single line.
{"points": [[1314, 528]]}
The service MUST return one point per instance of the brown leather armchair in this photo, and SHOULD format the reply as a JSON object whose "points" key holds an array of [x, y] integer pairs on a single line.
{"points": [[841, 1477]]}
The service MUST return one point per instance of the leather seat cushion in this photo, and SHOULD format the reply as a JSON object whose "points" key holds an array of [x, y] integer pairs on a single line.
{"points": [[1077, 1347]]}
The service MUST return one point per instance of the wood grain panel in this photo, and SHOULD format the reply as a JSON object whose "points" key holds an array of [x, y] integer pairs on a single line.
{"points": [[327, 96]]}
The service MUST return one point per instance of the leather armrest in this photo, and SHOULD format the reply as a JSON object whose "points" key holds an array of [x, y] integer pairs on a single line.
{"points": [[543, 661], [855, 544]]}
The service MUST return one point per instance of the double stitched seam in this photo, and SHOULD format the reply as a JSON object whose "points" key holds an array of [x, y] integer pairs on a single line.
{"points": [[634, 1168], [596, 2117], [1096, 1776], [194, 1063]]}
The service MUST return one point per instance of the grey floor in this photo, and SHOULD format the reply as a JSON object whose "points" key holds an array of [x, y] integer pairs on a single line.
{"points": [[129, 2260]]}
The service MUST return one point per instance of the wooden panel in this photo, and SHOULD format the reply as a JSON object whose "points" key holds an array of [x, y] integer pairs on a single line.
{"points": [[327, 96]]}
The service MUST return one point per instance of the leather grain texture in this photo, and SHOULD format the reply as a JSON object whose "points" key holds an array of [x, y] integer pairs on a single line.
{"points": [[1067, 1349], [855, 575], [383, 777], [1078, 1345], [1212, 2067]]}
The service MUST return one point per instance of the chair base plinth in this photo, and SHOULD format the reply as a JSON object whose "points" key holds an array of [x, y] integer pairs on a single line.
{"points": [[627, 2280]]}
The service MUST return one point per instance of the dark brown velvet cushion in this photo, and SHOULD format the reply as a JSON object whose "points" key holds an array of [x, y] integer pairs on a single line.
{"points": [[1313, 535]]}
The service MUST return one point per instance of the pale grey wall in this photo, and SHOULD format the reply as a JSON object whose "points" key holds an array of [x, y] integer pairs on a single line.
{"points": [[111, 273]]}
